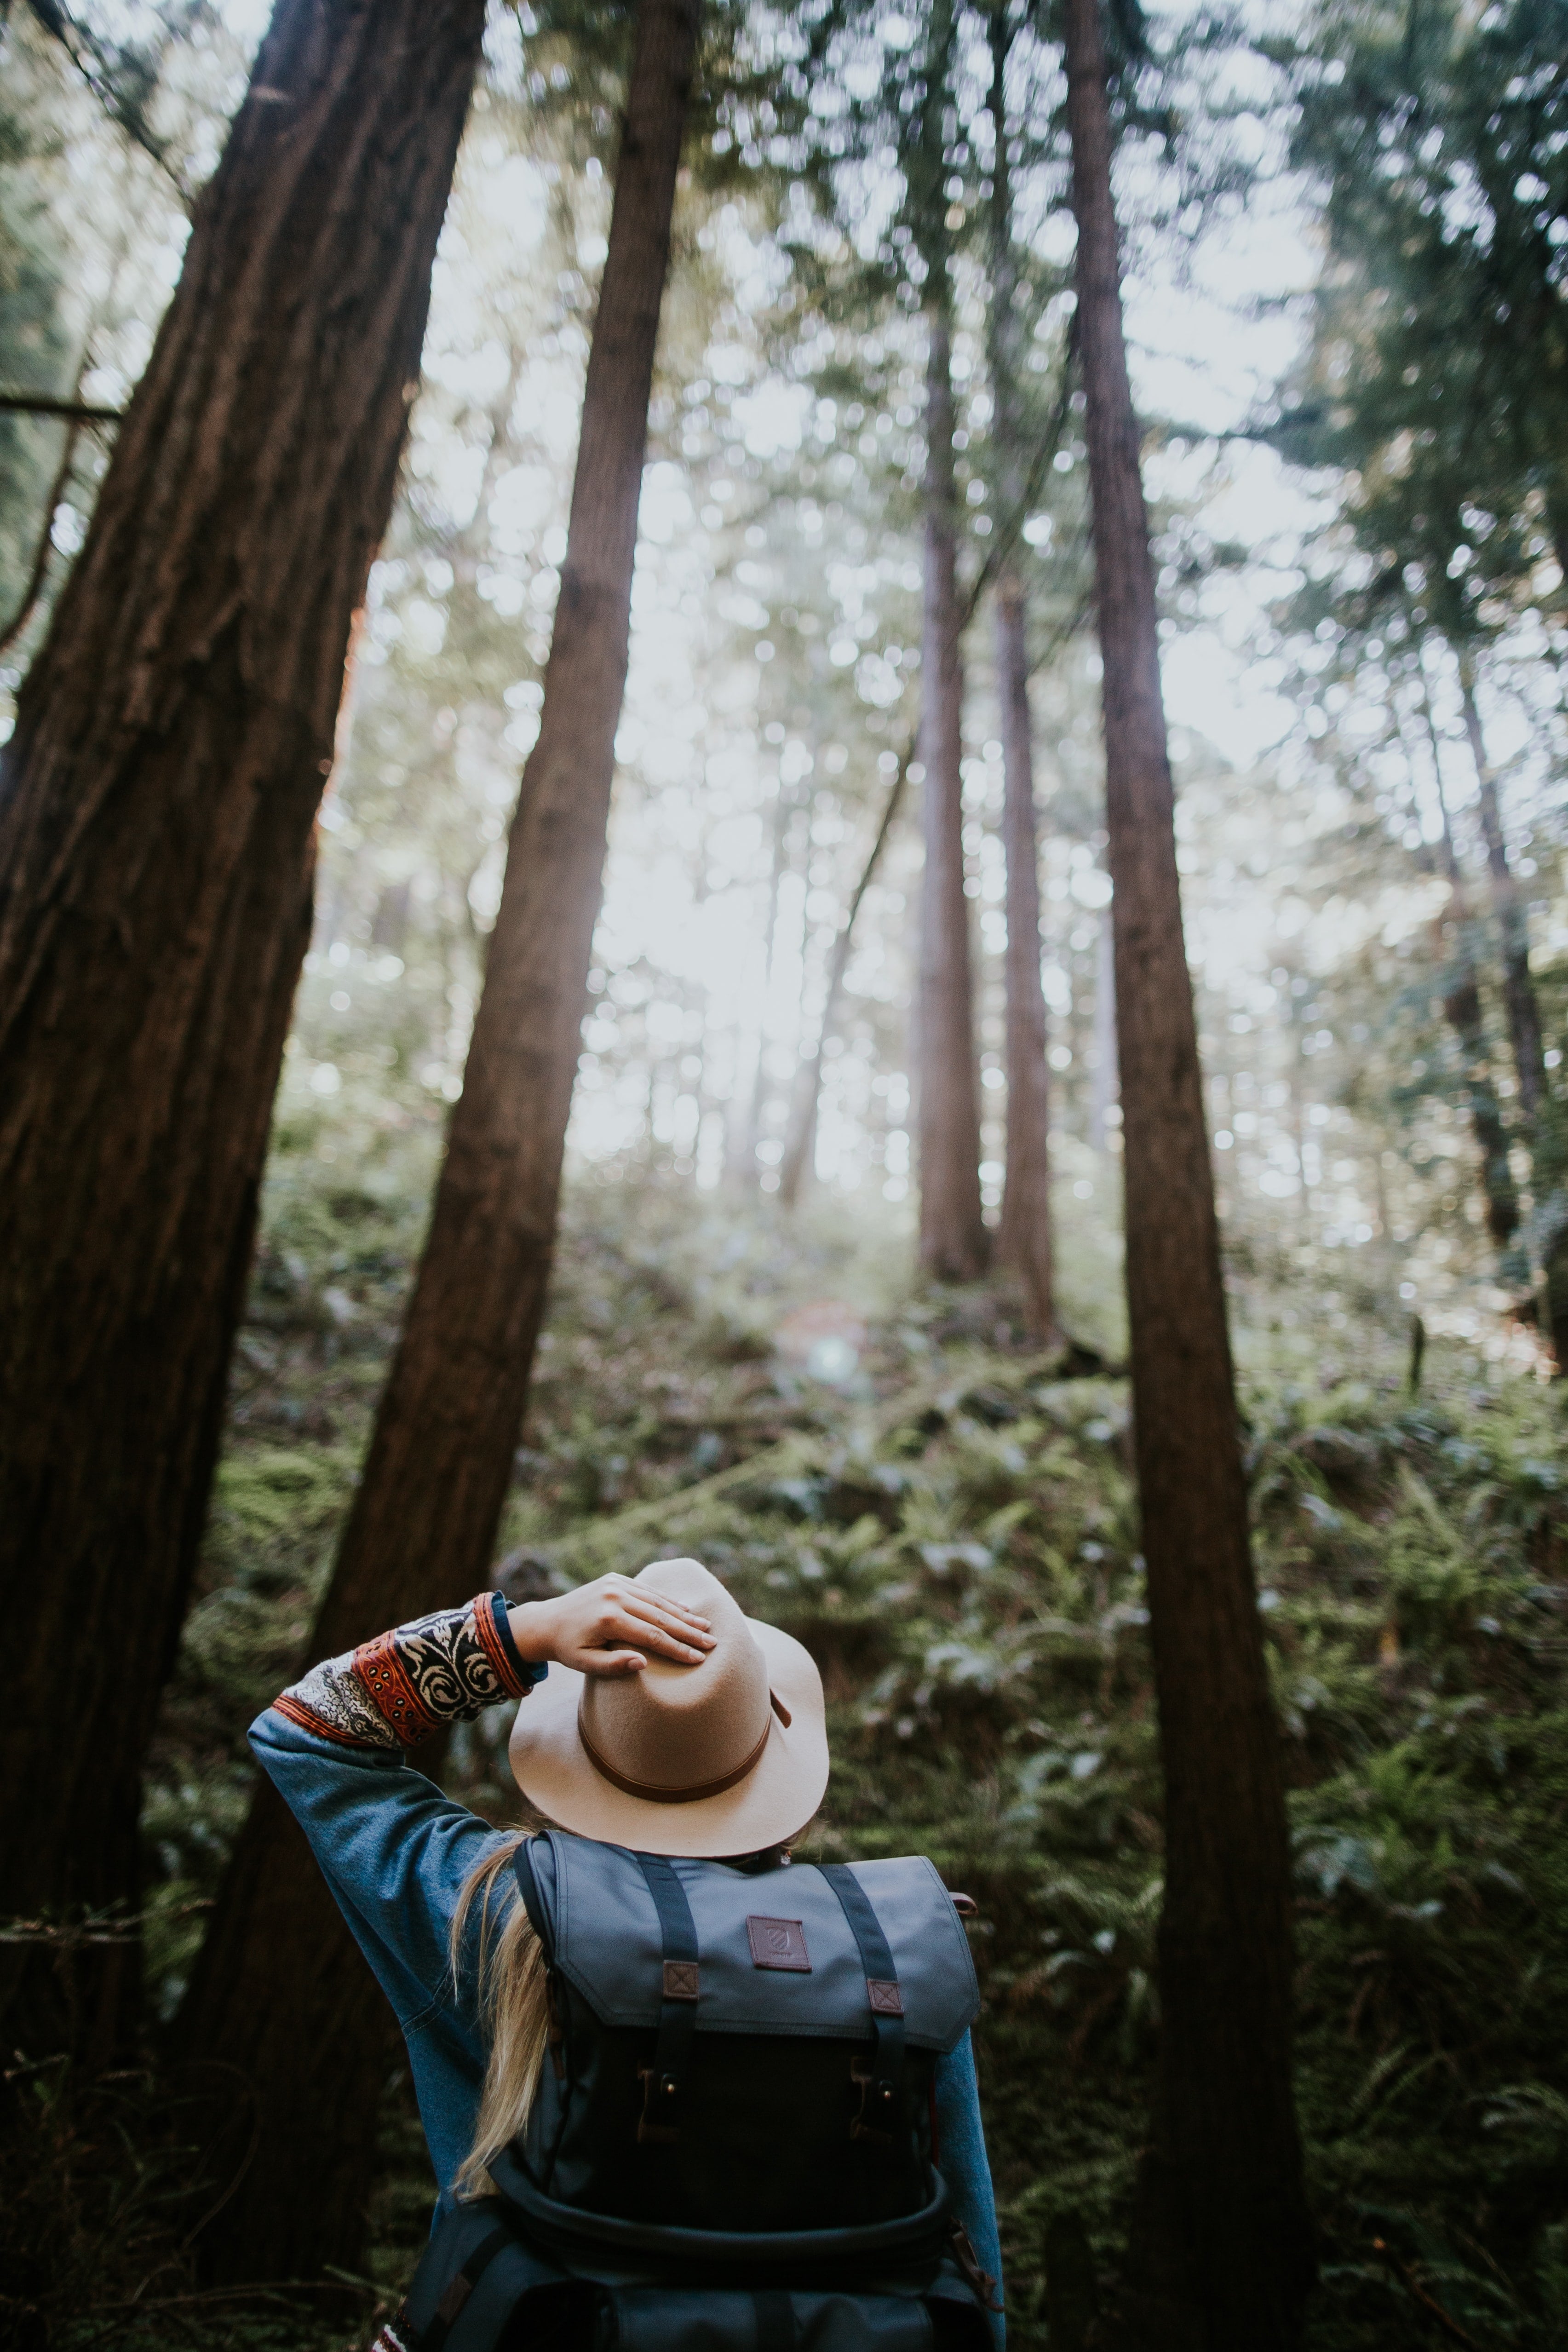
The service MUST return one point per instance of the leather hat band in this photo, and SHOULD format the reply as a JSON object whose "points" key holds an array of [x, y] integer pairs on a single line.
{"points": [[671, 1796]]}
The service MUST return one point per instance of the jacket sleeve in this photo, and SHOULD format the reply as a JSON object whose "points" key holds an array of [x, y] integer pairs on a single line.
{"points": [[393, 1849], [966, 2168]]}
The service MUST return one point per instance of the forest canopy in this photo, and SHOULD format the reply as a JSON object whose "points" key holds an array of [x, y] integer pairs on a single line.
{"points": [[609, 655]]}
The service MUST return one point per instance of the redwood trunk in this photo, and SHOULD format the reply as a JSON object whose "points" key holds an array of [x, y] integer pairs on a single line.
{"points": [[1463, 1011], [1024, 1240], [1517, 985], [1542, 1117], [955, 1245], [1222, 2242], [157, 810], [280, 1998], [1024, 1237]]}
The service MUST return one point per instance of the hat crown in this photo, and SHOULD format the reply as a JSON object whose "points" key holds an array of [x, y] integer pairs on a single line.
{"points": [[672, 1729]]}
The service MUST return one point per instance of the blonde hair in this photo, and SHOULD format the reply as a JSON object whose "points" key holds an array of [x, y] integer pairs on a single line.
{"points": [[514, 2004]]}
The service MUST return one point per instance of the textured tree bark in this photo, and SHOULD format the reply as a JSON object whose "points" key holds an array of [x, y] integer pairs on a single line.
{"points": [[1222, 2246], [1023, 1236], [955, 1245], [157, 810], [280, 2001]]}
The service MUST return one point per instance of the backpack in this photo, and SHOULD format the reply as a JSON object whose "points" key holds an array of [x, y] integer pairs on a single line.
{"points": [[733, 2144]]}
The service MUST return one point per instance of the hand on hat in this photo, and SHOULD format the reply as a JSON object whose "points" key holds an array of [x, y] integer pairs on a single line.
{"points": [[610, 1627]]}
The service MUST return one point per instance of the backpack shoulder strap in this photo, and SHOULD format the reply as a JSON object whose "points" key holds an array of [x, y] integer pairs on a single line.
{"points": [[533, 1901], [663, 2081], [881, 2086]]}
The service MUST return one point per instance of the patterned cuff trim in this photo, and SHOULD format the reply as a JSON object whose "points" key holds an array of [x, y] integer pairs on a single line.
{"points": [[295, 1710], [517, 1674], [397, 1690], [392, 1691]]}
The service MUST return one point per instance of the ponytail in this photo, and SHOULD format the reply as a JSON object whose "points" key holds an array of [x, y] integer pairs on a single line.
{"points": [[515, 2007]]}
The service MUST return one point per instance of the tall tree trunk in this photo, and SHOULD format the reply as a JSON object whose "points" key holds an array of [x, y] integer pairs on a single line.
{"points": [[800, 1148], [1518, 986], [955, 1245], [1462, 1010], [1222, 2239], [1105, 1082], [1023, 1236], [1544, 1117], [279, 1999], [743, 1158], [157, 810]]}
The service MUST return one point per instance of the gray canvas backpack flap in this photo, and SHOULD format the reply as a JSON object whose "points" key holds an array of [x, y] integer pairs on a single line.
{"points": [[734, 2140]]}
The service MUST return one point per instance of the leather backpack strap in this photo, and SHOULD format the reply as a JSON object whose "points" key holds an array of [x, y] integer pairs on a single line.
{"points": [[882, 2085], [663, 2081]]}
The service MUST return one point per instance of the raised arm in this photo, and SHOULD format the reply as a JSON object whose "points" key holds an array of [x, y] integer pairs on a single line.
{"points": [[393, 1849]]}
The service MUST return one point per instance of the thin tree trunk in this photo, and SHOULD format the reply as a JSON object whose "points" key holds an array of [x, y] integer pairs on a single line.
{"points": [[1518, 986], [280, 2000], [1462, 1009], [1221, 2235], [743, 1161], [801, 1145], [1544, 1117], [1023, 1234], [157, 811], [1105, 1086], [955, 1245], [1024, 1237]]}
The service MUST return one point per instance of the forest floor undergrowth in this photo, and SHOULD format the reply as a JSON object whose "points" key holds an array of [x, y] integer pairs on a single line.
{"points": [[948, 1523]]}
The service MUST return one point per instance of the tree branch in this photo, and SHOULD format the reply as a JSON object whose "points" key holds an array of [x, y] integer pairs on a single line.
{"points": [[39, 404]]}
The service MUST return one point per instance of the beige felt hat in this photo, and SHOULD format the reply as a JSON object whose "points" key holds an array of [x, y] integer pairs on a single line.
{"points": [[726, 1757]]}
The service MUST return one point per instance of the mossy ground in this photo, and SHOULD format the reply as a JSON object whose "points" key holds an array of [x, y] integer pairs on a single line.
{"points": [[952, 1530]]}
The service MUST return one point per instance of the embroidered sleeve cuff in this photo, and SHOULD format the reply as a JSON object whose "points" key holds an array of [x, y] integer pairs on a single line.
{"points": [[397, 1690]]}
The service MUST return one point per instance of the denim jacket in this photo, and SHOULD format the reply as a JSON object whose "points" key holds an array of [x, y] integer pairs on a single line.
{"points": [[396, 1852]]}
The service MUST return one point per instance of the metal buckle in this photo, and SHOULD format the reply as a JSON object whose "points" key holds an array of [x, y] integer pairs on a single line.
{"points": [[666, 2087], [862, 2071]]}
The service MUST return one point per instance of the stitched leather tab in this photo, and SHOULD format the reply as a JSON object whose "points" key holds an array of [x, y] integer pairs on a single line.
{"points": [[681, 1980], [778, 1944], [886, 1999]]}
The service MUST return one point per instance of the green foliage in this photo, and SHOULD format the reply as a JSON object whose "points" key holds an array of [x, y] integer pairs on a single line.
{"points": [[1442, 352], [953, 1532]]}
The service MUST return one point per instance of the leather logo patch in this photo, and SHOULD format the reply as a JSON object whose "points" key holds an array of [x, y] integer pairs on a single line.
{"points": [[778, 1944], [680, 1981], [886, 2000]]}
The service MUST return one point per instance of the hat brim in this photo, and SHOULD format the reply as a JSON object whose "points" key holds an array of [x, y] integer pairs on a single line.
{"points": [[777, 1796]]}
